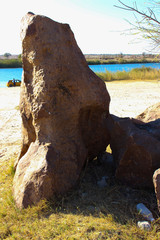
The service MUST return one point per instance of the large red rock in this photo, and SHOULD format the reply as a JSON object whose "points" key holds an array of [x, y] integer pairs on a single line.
{"points": [[136, 150], [150, 114], [63, 105]]}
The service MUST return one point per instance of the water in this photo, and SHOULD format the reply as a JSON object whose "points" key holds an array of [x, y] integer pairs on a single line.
{"points": [[7, 74], [121, 67], [10, 73]]}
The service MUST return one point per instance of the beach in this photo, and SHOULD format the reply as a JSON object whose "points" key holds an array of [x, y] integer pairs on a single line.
{"points": [[131, 98], [128, 99]]}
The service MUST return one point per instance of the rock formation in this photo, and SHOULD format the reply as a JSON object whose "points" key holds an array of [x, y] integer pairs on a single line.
{"points": [[156, 182], [150, 114], [136, 149], [63, 105]]}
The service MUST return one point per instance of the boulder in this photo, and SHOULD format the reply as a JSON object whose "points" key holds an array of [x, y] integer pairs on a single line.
{"points": [[150, 114], [63, 106], [136, 149], [156, 182]]}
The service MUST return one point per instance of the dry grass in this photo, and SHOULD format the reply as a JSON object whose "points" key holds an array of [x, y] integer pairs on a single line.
{"points": [[143, 73], [88, 212]]}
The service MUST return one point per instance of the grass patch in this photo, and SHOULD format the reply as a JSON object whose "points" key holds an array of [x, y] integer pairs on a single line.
{"points": [[88, 212], [143, 73]]}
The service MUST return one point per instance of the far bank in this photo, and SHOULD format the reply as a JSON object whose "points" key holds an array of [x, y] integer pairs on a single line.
{"points": [[92, 59], [107, 72]]}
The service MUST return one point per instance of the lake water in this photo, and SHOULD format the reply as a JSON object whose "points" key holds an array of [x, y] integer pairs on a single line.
{"points": [[121, 67], [10, 73]]}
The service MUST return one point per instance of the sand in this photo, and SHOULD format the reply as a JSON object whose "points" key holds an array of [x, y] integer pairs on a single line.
{"points": [[128, 99], [10, 123]]}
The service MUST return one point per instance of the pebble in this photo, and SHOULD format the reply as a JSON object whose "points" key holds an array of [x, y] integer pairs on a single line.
{"points": [[102, 183], [83, 195], [145, 225]]}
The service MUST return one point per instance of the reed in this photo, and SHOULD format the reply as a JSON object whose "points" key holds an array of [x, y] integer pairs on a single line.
{"points": [[143, 73]]}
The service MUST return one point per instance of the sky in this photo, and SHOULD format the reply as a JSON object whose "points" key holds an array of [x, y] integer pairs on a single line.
{"points": [[99, 27]]}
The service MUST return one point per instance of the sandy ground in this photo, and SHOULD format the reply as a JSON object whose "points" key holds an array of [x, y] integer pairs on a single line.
{"points": [[10, 123], [128, 99]]}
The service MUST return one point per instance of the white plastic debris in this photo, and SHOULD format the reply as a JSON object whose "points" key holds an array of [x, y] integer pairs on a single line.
{"points": [[145, 212], [145, 225]]}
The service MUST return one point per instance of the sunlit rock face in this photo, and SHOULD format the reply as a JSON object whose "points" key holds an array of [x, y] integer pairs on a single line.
{"points": [[150, 114], [63, 106], [156, 182]]}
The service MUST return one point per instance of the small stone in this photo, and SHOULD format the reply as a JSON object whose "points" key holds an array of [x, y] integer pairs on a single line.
{"points": [[91, 209], [84, 195], [102, 183], [145, 225]]}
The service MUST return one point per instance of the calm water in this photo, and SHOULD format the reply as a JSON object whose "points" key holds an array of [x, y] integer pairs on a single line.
{"points": [[10, 73], [121, 67]]}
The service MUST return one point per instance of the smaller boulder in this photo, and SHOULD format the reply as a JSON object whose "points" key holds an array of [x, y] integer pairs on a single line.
{"points": [[136, 150], [156, 182], [150, 114]]}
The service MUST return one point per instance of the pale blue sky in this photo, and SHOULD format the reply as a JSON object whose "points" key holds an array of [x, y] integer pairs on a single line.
{"points": [[97, 25]]}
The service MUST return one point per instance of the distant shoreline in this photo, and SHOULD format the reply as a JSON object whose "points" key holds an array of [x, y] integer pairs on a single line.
{"points": [[10, 63], [96, 59], [101, 62], [92, 59]]}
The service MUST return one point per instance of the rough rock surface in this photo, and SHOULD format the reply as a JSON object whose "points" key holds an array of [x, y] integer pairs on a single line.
{"points": [[156, 182], [150, 114], [136, 149], [63, 106]]}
